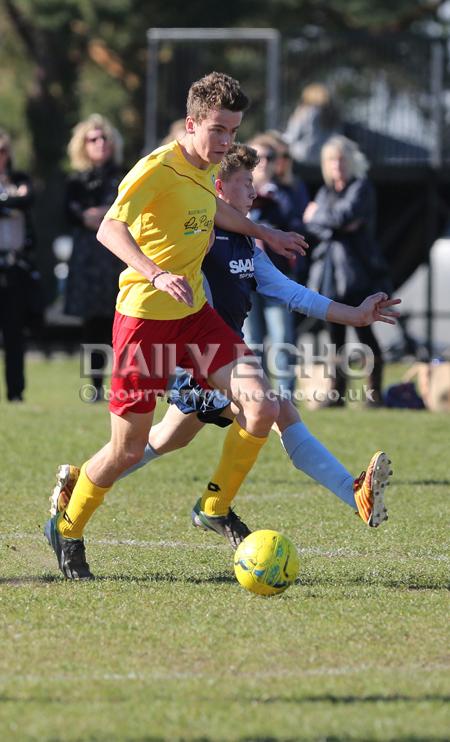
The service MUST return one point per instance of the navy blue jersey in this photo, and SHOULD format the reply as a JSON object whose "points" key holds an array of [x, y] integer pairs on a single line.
{"points": [[230, 272], [233, 269]]}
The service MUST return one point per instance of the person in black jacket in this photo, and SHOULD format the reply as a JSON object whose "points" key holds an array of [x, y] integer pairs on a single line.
{"points": [[95, 152], [347, 263], [315, 119], [16, 244], [268, 318]]}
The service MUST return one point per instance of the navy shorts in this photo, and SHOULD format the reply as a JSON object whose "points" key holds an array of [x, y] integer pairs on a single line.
{"points": [[189, 397]]}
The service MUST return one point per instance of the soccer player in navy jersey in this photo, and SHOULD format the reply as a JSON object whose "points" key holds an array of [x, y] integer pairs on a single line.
{"points": [[233, 268]]}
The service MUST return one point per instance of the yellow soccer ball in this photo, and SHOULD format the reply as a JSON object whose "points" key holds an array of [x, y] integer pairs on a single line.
{"points": [[266, 562]]}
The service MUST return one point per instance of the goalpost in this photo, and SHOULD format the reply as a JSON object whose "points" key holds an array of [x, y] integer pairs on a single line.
{"points": [[157, 37]]}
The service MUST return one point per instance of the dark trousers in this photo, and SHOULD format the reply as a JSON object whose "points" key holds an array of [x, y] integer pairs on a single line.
{"points": [[12, 322], [97, 330]]}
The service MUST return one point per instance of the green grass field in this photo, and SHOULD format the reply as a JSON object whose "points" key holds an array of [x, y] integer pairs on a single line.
{"points": [[165, 645]]}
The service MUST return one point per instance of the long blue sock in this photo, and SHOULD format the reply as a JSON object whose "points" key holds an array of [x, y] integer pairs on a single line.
{"points": [[149, 455], [311, 457]]}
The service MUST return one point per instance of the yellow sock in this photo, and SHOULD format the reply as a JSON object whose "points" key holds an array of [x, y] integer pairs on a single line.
{"points": [[239, 453], [86, 498]]}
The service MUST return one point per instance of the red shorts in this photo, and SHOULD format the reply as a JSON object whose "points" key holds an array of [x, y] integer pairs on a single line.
{"points": [[146, 352]]}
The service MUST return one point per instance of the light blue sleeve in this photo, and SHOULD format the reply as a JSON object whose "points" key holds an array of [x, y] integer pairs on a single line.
{"points": [[274, 284]]}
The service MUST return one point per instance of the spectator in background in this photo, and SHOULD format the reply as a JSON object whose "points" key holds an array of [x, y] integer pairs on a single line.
{"points": [[268, 318], [313, 121], [95, 152], [16, 246], [347, 264], [295, 190], [177, 130], [288, 183]]}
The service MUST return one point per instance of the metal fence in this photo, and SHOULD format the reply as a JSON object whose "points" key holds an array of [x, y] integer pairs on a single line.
{"points": [[178, 56], [391, 91]]}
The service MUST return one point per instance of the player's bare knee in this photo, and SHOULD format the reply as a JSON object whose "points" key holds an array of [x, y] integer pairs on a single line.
{"points": [[132, 454], [267, 411]]}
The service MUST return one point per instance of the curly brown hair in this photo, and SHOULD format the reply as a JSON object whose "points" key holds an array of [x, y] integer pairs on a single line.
{"points": [[238, 156], [215, 90]]}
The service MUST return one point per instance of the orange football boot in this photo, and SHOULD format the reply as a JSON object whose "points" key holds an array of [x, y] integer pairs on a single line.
{"points": [[369, 490], [66, 479]]}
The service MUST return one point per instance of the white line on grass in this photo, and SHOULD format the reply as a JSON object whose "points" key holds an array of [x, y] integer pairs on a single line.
{"points": [[118, 542], [313, 551], [191, 675], [341, 552], [181, 544]]}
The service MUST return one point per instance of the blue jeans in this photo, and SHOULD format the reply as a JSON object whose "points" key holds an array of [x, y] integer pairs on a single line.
{"points": [[268, 319]]}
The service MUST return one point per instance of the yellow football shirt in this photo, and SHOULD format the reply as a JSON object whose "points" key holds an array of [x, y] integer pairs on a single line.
{"points": [[169, 206]]}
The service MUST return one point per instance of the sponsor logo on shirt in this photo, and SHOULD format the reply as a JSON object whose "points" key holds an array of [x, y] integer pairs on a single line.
{"points": [[197, 222], [242, 267]]}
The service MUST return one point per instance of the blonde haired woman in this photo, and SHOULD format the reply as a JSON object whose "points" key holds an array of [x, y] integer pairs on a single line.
{"points": [[82, 155], [347, 264], [95, 152]]}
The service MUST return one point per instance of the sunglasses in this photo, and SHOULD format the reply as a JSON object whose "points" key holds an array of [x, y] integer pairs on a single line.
{"points": [[285, 155], [269, 157], [92, 140]]}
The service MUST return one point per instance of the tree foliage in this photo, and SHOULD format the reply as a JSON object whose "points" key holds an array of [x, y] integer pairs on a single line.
{"points": [[65, 57], [62, 59]]}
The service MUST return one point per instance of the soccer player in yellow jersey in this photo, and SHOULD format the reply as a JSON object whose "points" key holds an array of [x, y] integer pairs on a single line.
{"points": [[160, 225]]}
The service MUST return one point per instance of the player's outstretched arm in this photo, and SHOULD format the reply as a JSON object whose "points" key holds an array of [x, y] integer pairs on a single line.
{"points": [[116, 236], [283, 243], [375, 308], [272, 283]]}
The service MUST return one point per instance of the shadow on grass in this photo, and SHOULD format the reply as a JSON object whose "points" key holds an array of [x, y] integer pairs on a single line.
{"points": [[401, 583], [168, 577], [405, 583], [31, 699], [348, 700], [30, 580], [148, 578]]}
